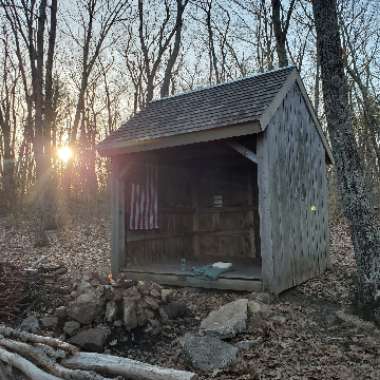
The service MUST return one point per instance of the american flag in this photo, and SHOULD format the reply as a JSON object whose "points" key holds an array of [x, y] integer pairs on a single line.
{"points": [[143, 211]]}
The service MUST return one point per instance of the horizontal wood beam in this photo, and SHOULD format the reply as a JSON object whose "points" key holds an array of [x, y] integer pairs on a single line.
{"points": [[185, 280], [136, 236], [247, 153]]}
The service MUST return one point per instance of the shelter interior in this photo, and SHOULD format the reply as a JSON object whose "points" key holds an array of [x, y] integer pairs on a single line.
{"points": [[207, 211]]}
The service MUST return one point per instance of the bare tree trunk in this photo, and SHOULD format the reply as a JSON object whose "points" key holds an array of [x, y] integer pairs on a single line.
{"points": [[8, 181], [211, 46], [280, 37], [7, 129], [280, 30], [365, 229], [316, 86], [177, 45]]}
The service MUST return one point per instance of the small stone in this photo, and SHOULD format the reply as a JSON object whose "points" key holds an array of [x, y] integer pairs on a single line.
{"points": [[208, 353], [149, 314], [175, 310], [263, 297], [111, 311], [156, 293], [92, 339], [165, 294], [154, 327], [71, 327], [129, 315], [257, 309], [142, 316], [108, 292], [144, 287], [227, 321], [49, 322], [118, 294], [279, 319], [87, 297], [83, 287], [246, 344], [86, 277], [60, 312], [163, 314], [84, 313], [152, 303], [118, 323], [132, 294], [30, 324]]}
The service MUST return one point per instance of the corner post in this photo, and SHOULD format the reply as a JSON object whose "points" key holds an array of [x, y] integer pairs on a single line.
{"points": [[117, 217], [267, 266]]}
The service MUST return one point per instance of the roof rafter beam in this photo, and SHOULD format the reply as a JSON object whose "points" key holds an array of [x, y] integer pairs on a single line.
{"points": [[247, 153]]}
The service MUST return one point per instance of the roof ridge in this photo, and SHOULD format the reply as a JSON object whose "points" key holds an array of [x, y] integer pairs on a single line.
{"points": [[251, 76]]}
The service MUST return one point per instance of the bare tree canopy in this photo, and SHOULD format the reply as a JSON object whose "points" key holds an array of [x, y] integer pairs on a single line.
{"points": [[72, 71]]}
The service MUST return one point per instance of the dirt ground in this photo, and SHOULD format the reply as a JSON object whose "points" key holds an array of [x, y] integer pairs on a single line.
{"points": [[305, 336]]}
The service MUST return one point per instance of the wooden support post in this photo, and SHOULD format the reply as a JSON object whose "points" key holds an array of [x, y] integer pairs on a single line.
{"points": [[267, 267], [195, 206], [243, 151], [118, 218], [251, 217]]}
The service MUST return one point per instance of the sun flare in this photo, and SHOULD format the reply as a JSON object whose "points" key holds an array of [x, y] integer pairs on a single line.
{"points": [[65, 153]]}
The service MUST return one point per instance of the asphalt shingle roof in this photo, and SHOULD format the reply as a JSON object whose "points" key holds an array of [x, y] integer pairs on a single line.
{"points": [[227, 104]]}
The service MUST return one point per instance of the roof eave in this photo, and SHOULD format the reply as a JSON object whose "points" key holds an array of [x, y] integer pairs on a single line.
{"points": [[133, 146]]}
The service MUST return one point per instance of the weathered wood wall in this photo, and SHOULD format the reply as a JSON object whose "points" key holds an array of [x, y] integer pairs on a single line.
{"points": [[189, 224], [292, 196]]}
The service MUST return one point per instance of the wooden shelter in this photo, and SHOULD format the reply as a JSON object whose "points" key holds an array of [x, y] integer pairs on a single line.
{"points": [[240, 178]]}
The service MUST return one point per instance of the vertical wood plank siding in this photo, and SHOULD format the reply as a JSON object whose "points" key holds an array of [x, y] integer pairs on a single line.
{"points": [[292, 196]]}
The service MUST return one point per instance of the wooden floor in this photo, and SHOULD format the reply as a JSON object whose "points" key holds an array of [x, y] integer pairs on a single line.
{"points": [[244, 274]]}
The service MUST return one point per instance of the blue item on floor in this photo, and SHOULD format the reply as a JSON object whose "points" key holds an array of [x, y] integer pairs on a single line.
{"points": [[210, 272]]}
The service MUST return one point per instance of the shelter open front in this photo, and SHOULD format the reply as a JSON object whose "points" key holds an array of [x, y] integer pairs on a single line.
{"points": [[192, 173], [205, 202]]}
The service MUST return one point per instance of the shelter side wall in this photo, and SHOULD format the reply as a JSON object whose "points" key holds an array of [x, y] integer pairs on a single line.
{"points": [[296, 196]]}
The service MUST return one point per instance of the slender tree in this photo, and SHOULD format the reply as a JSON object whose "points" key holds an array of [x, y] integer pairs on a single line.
{"points": [[35, 24], [281, 28], [365, 230], [10, 77], [181, 5]]}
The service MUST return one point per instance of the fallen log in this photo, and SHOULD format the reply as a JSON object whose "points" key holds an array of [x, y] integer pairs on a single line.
{"points": [[42, 360], [25, 337], [25, 366], [45, 358], [131, 369]]}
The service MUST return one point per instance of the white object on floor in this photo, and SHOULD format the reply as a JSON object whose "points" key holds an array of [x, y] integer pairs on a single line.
{"points": [[222, 265]]}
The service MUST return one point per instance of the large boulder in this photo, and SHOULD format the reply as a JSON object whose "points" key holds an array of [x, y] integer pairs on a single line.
{"points": [[92, 339], [208, 353], [227, 321]]}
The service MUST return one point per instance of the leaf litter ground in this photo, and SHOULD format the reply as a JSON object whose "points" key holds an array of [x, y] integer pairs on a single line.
{"points": [[303, 337]]}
